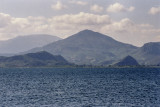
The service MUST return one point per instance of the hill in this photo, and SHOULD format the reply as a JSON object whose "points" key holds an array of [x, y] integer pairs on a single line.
{"points": [[127, 61], [39, 59]]}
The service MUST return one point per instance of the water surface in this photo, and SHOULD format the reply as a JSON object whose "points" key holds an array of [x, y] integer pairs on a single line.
{"points": [[79, 87]]}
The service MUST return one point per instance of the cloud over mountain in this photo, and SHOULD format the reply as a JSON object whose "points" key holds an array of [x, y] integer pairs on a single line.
{"points": [[135, 22], [82, 19], [125, 30]]}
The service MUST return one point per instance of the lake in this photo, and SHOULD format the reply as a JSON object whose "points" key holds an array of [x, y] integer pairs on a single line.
{"points": [[79, 87]]}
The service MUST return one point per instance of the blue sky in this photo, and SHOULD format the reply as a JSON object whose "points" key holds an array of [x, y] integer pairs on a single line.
{"points": [[130, 21]]}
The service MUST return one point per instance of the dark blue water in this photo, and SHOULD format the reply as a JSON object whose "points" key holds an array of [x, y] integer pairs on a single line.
{"points": [[80, 87]]}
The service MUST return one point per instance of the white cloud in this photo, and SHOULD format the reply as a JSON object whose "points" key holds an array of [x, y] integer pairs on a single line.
{"points": [[117, 7], [82, 3], [4, 19], [128, 31], [82, 19], [154, 10], [96, 8], [58, 6], [130, 9], [121, 27]]}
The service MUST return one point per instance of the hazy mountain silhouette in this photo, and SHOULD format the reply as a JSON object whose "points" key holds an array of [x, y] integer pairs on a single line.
{"points": [[89, 47], [148, 54], [39, 59], [24, 43]]}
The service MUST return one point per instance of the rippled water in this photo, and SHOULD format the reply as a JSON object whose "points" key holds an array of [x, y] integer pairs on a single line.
{"points": [[80, 87]]}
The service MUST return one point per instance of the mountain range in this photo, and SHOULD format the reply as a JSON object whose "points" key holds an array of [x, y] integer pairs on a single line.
{"points": [[89, 47], [27, 42], [93, 48]]}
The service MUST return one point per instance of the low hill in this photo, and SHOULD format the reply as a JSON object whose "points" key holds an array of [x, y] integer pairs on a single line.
{"points": [[127, 61], [39, 59]]}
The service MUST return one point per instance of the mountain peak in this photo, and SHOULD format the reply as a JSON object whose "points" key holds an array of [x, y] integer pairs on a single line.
{"points": [[86, 31], [129, 57], [89, 35]]}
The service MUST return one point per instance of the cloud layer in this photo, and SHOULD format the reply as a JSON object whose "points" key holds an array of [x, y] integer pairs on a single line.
{"points": [[63, 26], [122, 29]]}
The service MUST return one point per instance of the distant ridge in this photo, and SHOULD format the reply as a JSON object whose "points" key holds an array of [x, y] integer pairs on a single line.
{"points": [[24, 43], [148, 54], [39, 59], [127, 61]]}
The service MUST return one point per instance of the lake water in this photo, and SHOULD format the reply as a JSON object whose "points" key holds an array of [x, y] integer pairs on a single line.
{"points": [[80, 87]]}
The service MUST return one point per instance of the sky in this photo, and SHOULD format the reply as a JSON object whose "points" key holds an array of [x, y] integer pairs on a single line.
{"points": [[130, 21]]}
